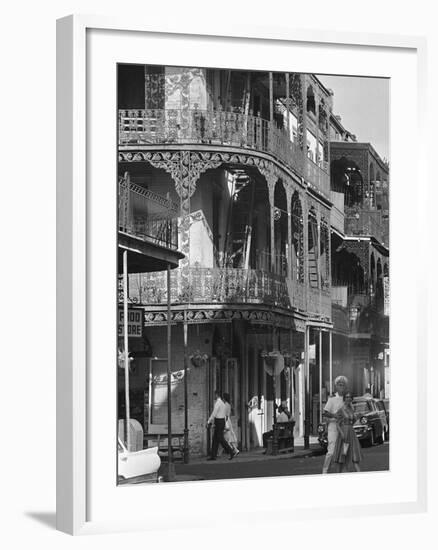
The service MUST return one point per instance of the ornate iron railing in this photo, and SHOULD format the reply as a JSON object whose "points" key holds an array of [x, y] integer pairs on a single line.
{"points": [[319, 302], [210, 285], [147, 215], [199, 285], [215, 127], [318, 176]]}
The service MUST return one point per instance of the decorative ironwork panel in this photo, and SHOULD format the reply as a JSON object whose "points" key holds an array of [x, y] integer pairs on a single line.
{"points": [[297, 238], [212, 285]]}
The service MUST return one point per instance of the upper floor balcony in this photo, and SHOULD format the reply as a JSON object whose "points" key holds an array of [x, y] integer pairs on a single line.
{"points": [[227, 286], [317, 175], [142, 127], [147, 228], [358, 311], [364, 222], [337, 211]]}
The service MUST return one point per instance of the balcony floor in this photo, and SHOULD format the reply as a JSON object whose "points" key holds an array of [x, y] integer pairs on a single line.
{"points": [[145, 256]]}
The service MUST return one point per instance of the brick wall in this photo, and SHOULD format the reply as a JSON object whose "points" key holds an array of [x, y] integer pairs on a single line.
{"points": [[199, 338]]}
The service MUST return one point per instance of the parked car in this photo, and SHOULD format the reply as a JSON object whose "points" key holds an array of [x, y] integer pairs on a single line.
{"points": [[139, 466], [372, 424]]}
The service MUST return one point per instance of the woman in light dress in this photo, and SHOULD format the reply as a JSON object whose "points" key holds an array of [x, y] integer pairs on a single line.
{"points": [[230, 436], [347, 451]]}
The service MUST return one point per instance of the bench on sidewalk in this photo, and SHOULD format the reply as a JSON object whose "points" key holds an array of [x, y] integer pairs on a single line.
{"points": [[282, 438], [179, 451]]}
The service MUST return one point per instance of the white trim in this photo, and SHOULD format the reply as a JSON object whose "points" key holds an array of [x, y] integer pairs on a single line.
{"points": [[71, 260], [71, 277]]}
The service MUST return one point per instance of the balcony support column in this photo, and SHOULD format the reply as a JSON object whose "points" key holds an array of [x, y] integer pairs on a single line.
{"points": [[186, 407], [170, 465], [307, 388], [271, 177], [271, 110], [289, 192], [272, 222], [320, 374], [287, 104], [306, 249], [317, 158], [303, 121], [126, 352], [271, 97], [331, 360]]}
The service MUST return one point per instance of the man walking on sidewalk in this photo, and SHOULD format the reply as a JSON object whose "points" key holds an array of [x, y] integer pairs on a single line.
{"points": [[217, 418], [332, 406]]}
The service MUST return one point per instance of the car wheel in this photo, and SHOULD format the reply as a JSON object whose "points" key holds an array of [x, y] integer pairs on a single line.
{"points": [[386, 434], [372, 439]]}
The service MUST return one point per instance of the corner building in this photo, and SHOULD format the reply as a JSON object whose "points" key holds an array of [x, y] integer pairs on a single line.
{"points": [[246, 157]]}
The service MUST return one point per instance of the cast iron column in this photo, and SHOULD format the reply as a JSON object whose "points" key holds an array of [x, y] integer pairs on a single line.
{"points": [[170, 465]]}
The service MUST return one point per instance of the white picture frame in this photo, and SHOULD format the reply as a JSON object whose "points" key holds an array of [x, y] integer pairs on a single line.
{"points": [[80, 496]]}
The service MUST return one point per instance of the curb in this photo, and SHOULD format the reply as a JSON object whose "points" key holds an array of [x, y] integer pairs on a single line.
{"points": [[266, 458]]}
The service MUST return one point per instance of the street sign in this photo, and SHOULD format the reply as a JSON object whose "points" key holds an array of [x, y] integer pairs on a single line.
{"points": [[135, 323]]}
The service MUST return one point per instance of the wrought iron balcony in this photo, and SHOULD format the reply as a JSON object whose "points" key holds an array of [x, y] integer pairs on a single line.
{"points": [[337, 211], [198, 285], [318, 176], [319, 302], [364, 222], [213, 127], [147, 215]]}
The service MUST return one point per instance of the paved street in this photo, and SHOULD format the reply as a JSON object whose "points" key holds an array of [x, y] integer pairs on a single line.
{"points": [[374, 459]]}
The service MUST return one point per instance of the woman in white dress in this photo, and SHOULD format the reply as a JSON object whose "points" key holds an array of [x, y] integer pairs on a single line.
{"points": [[230, 436]]}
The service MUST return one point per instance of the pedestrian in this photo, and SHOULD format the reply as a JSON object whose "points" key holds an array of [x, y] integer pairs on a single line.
{"points": [[230, 435], [217, 418], [334, 403], [347, 449]]}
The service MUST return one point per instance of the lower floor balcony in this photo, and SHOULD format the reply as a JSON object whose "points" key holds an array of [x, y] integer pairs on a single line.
{"points": [[197, 285]]}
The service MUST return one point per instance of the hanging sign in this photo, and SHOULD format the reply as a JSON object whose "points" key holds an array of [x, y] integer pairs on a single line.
{"points": [[135, 323]]}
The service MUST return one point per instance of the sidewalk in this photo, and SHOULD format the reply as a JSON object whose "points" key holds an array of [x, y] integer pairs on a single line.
{"points": [[258, 454], [190, 472]]}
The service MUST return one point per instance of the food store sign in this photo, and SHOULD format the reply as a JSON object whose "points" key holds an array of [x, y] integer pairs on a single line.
{"points": [[135, 323]]}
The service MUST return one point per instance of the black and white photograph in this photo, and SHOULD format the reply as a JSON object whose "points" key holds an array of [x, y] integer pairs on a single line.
{"points": [[253, 274]]}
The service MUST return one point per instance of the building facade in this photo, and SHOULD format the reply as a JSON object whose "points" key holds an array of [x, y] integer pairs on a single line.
{"points": [[360, 262], [246, 156]]}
